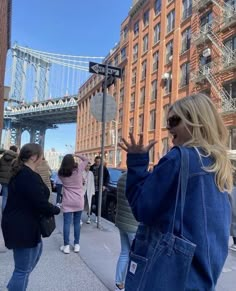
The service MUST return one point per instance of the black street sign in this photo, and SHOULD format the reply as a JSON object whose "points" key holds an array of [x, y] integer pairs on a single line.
{"points": [[97, 68]]}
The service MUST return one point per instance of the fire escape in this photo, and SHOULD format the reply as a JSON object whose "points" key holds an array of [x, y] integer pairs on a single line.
{"points": [[227, 61]]}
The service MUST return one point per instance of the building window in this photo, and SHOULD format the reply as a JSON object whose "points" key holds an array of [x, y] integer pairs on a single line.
{"points": [[140, 123], [122, 95], [135, 52], [164, 115], [146, 18], [106, 139], [155, 61], [168, 83], [136, 28], [122, 75], [157, 6], [232, 139], [131, 125], [231, 42], [145, 43], [165, 146], [125, 32], [142, 96], [154, 90], [185, 72], [123, 53], [169, 51], [187, 9], [116, 60], [134, 73], [144, 70], [120, 115], [132, 101], [152, 121], [206, 19], [231, 89], [186, 39], [151, 153], [205, 60], [157, 33], [119, 135], [171, 21]]}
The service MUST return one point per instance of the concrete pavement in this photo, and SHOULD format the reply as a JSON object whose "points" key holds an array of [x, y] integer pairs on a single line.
{"points": [[93, 269]]}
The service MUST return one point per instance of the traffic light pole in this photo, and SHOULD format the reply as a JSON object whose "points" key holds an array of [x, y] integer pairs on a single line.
{"points": [[102, 148]]}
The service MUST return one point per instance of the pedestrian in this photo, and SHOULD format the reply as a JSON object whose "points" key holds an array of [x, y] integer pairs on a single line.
{"points": [[58, 186], [45, 172], [27, 202], [89, 190], [198, 234], [70, 174], [232, 197], [127, 226], [95, 168], [5, 171]]}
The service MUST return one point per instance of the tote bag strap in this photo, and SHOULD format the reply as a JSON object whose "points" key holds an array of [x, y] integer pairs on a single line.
{"points": [[182, 187]]}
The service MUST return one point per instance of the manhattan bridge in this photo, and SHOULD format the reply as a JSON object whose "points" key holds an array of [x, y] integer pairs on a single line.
{"points": [[43, 92]]}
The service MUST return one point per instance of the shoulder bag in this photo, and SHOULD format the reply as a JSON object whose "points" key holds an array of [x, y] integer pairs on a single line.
{"points": [[162, 261]]}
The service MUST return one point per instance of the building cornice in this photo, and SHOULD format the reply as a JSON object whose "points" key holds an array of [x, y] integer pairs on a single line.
{"points": [[136, 8]]}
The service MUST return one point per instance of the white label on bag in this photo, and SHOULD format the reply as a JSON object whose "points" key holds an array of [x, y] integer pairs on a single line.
{"points": [[133, 267]]}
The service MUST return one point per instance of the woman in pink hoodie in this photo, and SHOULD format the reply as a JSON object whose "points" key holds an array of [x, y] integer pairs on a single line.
{"points": [[70, 174]]}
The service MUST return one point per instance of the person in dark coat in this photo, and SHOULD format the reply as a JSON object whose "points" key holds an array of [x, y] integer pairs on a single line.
{"points": [[95, 168], [27, 202], [5, 171]]}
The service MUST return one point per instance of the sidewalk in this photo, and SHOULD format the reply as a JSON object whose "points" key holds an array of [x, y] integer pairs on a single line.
{"points": [[93, 268]]}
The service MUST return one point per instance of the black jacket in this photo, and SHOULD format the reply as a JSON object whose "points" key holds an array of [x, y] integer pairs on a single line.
{"points": [[96, 173], [27, 200], [5, 166]]}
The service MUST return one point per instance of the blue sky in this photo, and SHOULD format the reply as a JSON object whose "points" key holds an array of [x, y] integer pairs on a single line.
{"points": [[77, 27]]}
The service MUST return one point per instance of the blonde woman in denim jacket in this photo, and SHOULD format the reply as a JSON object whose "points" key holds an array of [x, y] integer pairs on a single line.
{"points": [[195, 124]]}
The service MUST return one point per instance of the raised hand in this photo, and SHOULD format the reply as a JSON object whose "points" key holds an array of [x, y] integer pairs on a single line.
{"points": [[134, 147]]}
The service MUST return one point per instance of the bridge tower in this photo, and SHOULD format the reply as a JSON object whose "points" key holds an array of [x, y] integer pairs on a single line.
{"points": [[22, 60]]}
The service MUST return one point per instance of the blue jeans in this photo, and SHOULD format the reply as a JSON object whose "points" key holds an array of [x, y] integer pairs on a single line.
{"points": [[66, 227], [126, 239], [59, 189], [25, 260], [4, 195]]}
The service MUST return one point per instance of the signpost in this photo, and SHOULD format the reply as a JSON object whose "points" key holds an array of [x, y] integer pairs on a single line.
{"points": [[103, 69]]}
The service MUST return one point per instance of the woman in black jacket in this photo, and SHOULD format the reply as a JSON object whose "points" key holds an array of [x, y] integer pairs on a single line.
{"points": [[27, 201]]}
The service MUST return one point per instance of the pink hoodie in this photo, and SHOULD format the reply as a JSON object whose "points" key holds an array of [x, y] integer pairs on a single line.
{"points": [[73, 192]]}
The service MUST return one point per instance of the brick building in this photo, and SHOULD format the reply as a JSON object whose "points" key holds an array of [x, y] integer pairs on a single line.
{"points": [[167, 50], [5, 27]]}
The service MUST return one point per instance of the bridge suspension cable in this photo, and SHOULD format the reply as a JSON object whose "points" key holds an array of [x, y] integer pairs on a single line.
{"points": [[38, 75]]}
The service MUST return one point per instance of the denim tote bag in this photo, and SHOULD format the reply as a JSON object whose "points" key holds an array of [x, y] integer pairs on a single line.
{"points": [[161, 261]]}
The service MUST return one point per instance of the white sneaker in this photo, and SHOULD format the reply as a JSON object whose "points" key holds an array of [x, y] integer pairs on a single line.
{"points": [[233, 247], [81, 222], [65, 249], [88, 220], [96, 220], [76, 248]]}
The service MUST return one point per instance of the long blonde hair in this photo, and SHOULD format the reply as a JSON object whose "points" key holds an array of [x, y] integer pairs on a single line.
{"points": [[209, 133]]}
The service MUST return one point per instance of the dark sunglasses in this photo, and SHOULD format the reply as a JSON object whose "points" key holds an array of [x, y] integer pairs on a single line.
{"points": [[173, 121]]}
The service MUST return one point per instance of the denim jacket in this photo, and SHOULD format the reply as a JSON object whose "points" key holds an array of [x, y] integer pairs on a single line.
{"points": [[207, 213]]}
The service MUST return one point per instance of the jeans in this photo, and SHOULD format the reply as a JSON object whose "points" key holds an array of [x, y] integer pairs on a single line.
{"points": [[59, 195], [126, 239], [4, 195], [66, 227], [25, 261]]}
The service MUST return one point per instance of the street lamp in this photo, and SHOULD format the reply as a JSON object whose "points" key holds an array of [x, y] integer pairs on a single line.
{"points": [[115, 140]]}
